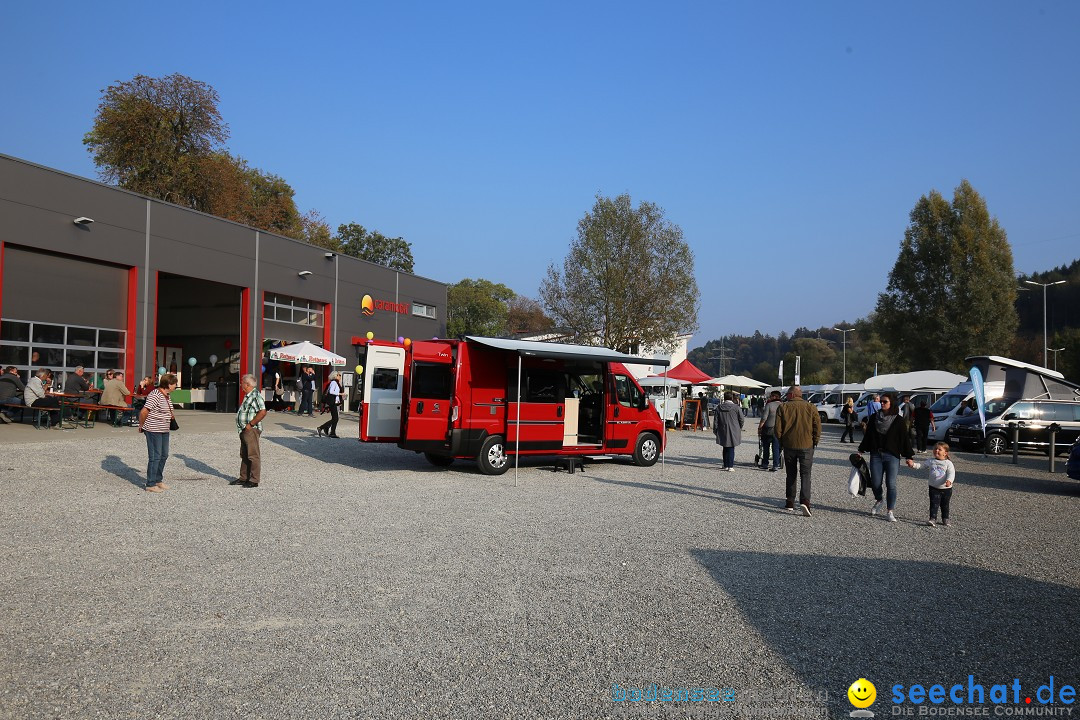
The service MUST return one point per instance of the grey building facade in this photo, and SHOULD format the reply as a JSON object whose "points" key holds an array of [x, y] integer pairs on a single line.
{"points": [[97, 276]]}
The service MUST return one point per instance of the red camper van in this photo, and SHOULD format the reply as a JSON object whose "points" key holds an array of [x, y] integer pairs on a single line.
{"points": [[460, 399]]}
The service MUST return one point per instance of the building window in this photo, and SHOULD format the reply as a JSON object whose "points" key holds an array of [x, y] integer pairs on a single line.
{"points": [[283, 308], [423, 310], [60, 348]]}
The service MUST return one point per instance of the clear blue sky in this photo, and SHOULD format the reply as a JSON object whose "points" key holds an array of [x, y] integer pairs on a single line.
{"points": [[789, 140]]}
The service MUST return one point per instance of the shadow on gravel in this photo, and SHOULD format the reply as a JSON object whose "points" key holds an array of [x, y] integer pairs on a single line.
{"points": [[114, 465], [835, 619], [201, 467]]}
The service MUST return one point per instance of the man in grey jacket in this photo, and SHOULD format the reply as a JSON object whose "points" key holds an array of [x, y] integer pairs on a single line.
{"points": [[770, 443]]}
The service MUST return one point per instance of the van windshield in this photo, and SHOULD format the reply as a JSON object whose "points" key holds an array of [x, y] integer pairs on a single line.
{"points": [[947, 403]]}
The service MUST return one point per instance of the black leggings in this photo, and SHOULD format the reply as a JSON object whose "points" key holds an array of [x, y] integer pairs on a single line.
{"points": [[940, 497], [330, 426]]}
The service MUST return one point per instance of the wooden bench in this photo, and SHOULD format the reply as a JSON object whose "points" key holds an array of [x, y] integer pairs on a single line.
{"points": [[41, 414], [92, 409]]}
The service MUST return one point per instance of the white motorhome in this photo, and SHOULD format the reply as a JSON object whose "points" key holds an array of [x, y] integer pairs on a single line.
{"points": [[833, 402], [665, 394], [1002, 378], [920, 385]]}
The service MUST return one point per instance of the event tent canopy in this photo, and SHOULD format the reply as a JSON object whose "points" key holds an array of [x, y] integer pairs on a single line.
{"points": [[687, 371], [306, 353]]}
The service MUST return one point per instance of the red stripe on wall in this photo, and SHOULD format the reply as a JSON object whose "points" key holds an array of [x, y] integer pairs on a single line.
{"points": [[245, 336], [132, 325]]}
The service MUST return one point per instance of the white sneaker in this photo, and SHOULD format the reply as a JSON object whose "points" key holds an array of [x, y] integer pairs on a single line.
{"points": [[890, 517], [877, 508], [931, 523], [805, 510], [731, 469]]}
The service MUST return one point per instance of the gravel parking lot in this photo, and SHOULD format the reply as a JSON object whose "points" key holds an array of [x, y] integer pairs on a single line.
{"points": [[360, 582]]}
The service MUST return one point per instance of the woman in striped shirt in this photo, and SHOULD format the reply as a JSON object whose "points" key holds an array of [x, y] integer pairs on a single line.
{"points": [[155, 420]]}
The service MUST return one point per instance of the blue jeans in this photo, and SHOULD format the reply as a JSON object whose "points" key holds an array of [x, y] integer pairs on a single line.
{"points": [[729, 457], [157, 448], [882, 463]]}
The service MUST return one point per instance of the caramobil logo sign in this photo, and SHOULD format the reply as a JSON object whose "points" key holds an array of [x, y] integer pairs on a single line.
{"points": [[368, 306]]}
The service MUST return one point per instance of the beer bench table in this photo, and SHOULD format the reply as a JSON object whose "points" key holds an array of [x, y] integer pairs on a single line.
{"points": [[93, 409], [569, 464], [41, 414]]}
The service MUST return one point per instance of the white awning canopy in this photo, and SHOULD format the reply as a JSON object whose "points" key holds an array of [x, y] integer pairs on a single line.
{"points": [[562, 351]]}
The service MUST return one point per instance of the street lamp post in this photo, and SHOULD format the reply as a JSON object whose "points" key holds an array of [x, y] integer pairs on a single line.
{"points": [[844, 386], [1055, 351], [1046, 341]]}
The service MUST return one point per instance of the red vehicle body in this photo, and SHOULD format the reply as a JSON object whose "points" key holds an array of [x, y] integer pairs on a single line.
{"points": [[459, 399]]}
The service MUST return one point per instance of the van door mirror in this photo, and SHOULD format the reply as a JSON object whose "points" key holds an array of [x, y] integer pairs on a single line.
{"points": [[643, 402]]}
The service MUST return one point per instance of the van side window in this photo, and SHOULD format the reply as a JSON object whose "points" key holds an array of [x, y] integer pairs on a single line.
{"points": [[1023, 411], [1062, 413], [626, 392], [538, 386], [385, 379], [431, 381]]}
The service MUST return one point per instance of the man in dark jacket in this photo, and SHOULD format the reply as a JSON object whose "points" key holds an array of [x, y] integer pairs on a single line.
{"points": [[798, 426], [11, 390]]}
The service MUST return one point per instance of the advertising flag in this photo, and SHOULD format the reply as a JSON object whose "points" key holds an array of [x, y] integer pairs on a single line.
{"points": [[980, 395], [781, 372]]}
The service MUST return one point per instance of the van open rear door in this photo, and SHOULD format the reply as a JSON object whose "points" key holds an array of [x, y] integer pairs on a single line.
{"points": [[381, 386]]}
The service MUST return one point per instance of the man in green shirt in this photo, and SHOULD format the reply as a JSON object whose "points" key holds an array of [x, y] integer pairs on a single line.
{"points": [[249, 424]]}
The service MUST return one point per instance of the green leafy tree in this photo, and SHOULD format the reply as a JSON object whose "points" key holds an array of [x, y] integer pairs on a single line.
{"points": [[477, 307], [952, 291], [313, 229], [628, 280], [152, 135], [371, 245]]}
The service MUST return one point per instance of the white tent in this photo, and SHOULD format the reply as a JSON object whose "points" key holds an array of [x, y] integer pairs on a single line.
{"points": [[738, 381], [307, 353]]}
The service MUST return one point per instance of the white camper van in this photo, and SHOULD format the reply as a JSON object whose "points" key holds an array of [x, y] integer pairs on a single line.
{"points": [[1002, 377], [665, 395]]}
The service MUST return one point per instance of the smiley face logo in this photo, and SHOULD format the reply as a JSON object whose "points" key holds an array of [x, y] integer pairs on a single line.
{"points": [[862, 693]]}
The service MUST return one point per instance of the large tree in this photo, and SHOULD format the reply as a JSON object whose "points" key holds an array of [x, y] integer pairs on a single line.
{"points": [[477, 307], [952, 291], [152, 136], [373, 246], [628, 280]]}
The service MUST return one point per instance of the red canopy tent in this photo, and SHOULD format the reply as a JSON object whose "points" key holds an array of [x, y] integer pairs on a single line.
{"points": [[687, 371]]}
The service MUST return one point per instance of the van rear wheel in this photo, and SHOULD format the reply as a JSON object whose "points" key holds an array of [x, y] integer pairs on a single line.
{"points": [[647, 450], [492, 459]]}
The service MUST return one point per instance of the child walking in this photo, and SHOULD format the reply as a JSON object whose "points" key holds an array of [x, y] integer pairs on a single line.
{"points": [[940, 473]]}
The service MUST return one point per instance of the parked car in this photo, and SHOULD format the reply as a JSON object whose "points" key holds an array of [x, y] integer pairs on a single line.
{"points": [[1072, 468], [1033, 419], [965, 432]]}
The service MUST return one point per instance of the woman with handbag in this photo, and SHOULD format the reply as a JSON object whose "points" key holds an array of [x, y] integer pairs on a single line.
{"points": [[332, 400], [848, 416], [887, 440], [156, 420]]}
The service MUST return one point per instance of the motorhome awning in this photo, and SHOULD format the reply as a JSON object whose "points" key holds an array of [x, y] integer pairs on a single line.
{"points": [[562, 351]]}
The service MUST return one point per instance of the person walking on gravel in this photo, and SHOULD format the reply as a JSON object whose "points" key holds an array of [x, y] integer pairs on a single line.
{"points": [[798, 426], [728, 428], [887, 440]]}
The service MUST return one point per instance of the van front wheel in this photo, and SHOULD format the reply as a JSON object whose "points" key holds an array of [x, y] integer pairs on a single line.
{"points": [[492, 459], [647, 450], [996, 444]]}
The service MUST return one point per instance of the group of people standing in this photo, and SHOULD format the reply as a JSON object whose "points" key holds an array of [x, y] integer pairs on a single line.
{"points": [[793, 428]]}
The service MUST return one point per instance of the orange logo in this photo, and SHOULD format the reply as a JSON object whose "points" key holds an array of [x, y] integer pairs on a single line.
{"points": [[367, 306]]}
